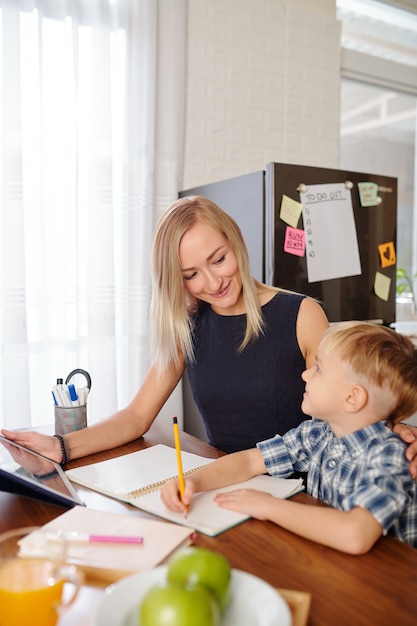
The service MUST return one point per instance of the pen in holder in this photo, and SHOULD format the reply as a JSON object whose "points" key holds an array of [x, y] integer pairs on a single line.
{"points": [[70, 404]]}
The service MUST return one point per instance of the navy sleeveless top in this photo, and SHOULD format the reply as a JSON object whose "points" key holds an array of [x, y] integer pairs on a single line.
{"points": [[246, 397]]}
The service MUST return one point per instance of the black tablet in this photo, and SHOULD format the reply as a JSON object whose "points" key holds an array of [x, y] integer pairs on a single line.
{"points": [[27, 473]]}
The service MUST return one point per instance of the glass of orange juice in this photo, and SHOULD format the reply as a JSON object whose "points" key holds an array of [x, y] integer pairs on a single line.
{"points": [[33, 574]]}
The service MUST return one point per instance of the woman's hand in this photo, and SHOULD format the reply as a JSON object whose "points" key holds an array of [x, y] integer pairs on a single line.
{"points": [[409, 434], [43, 444], [31, 463]]}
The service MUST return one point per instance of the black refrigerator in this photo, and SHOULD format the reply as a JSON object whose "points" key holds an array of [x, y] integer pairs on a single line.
{"points": [[330, 234]]}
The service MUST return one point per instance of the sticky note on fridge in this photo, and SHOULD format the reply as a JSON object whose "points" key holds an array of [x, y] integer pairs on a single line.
{"points": [[382, 285], [295, 241], [290, 211], [368, 194], [387, 254]]}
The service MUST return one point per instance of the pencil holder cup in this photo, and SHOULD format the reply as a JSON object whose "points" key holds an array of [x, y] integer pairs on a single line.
{"points": [[71, 404], [70, 418]]}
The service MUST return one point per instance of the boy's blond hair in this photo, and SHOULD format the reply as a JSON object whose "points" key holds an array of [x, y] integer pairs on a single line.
{"points": [[172, 306], [385, 358]]}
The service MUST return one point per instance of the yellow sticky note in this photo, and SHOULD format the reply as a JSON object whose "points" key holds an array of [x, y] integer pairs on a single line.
{"points": [[290, 211], [382, 285], [387, 254]]}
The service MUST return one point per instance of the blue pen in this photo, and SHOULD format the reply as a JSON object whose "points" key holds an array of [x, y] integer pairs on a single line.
{"points": [[72, 393]]}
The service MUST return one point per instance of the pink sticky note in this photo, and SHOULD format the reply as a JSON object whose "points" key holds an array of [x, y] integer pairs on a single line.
{"points": [[295, 241]]}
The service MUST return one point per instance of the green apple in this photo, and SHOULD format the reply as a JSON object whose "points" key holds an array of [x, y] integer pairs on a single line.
{"points": [[174, 605], [200, 566]]}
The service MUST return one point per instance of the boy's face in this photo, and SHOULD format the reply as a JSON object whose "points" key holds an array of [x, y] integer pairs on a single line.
{"points": [[328, 383]]}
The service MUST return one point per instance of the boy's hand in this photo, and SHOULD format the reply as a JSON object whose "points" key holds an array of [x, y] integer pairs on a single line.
{"points": [[170, 495], [248, 501]]}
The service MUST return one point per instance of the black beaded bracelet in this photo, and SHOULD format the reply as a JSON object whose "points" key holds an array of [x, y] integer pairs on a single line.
{"points": [[45, 476], [63, 449]]}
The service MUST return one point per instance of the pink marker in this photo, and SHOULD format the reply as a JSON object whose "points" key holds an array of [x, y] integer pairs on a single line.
{"points": [[86, 538]]}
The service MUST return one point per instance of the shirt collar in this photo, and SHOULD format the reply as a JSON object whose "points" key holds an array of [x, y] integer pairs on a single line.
{"points": [[357, 441]]}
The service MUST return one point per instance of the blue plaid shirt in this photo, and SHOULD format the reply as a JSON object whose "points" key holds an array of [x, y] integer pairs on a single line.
{"points": [[366, 468]]}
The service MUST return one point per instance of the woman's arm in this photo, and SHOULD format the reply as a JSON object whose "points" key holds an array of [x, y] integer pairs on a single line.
{"points": [[354, 532], [121, 427], [311, 324]]}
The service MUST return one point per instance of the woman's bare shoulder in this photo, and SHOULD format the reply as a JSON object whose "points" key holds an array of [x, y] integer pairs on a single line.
{"points": [[311, 324]]}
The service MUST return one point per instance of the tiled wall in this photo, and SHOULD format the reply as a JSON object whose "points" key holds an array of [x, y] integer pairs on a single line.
{"points": [[262, 86]]}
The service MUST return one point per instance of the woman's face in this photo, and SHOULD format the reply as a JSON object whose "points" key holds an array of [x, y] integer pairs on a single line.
{"points": [[210, 270]]}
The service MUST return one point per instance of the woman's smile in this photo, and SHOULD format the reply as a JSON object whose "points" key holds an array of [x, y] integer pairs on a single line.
{"points": [[222, 292]]}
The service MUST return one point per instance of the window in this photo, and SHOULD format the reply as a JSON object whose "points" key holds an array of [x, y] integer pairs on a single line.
{"points": [[84, 110], [379, 105], [63, 111]]}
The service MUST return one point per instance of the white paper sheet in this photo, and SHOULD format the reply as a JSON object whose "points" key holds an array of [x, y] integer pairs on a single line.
{"points": [[331, 241]]}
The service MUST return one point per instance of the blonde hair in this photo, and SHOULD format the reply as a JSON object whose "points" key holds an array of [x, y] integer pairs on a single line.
{"points": [[172, 306], [385, 358]]}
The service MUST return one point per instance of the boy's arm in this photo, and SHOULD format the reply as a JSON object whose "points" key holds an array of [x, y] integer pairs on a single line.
{"points": [[354, 531], [229, 469]]}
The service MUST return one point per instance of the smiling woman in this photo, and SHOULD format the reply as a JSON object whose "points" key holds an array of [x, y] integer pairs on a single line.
{"points": [[244, 343]]}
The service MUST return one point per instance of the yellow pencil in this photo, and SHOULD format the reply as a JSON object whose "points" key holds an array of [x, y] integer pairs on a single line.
{"points": [[179, 461]]}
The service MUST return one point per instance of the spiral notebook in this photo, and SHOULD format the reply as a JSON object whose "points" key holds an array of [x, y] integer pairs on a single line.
{"points": [[137, 477]]}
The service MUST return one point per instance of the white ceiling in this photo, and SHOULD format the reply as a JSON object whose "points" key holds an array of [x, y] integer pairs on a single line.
{"points": [[375, 28]]}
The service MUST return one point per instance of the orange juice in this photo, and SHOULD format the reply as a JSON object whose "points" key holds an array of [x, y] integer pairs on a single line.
{"points": [[30, 594]]}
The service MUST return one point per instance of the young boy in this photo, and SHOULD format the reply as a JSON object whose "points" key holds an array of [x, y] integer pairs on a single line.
{"points": [[364, 379]]}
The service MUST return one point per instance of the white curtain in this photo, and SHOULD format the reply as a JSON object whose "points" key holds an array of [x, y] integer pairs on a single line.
{"points": [[91, 135]]}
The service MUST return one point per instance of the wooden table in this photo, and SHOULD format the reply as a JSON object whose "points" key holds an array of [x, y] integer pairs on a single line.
{"points": [[379, 588]]}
